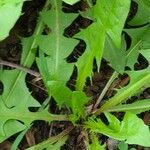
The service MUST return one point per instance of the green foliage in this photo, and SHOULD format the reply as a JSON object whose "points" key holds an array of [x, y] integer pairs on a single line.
{"points": [[57, 47], [95, 145], [143, 10], [10, 11], [115, 56], [124, 146], [52, 143], [139, 80], [140, 41], [104, 39], [136, 107], [14, 81], [11, 118], [108, 18], [71, 2], [131, 128]]}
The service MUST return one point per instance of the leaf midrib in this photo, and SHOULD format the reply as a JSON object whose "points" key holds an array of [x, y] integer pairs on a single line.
{"points": [[57, 31], [24, 64]]}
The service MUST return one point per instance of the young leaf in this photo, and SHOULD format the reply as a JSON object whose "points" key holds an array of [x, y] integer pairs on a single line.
{"points": [[60, 92], [95, 145], [143, 10], [78, 101], [136, 107], [10, 11], [109, 17], [132, 129]]}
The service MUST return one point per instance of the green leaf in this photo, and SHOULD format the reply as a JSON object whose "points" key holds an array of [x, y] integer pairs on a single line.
{"points": [[112, 16], [114, 123], [115, 56], [132, 129], [94, 49], [123, 146], [10, 11], [138, 132], [15, 90], [56, 45], [146, 54], [17, 78], [78, 101], [9, 128], [16, 119], [19, 139], [143, 10], [54, 143], [136, 107], [60, 92], [95, 145], [140, 41], [54, 68], [139, 80], [109, 17], [71, 2]]}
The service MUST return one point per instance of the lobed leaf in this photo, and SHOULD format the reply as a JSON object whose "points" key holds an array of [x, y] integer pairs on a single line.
{"points": [[58, 47], [15, 90], [10, 11], [16, 98], [140, 41], [143, 10], [95, 145], [115, 56], [18, 118], [131, 128], [139, 80], [109, 17]]}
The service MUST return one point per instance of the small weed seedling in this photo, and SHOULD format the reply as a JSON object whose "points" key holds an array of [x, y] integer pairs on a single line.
{"points": [[104, 38]]}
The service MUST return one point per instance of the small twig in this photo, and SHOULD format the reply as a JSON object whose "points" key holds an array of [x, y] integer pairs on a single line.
{"points": [[114, 75], [92, 108], [19, 67], [37, 86]]}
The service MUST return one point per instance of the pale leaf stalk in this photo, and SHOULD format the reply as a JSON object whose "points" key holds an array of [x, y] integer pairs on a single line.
{"points": [[19, 67], [124, 95], [114, 75]]}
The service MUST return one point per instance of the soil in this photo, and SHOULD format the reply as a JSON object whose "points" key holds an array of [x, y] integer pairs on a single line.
{"points": [[10, 50]]}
